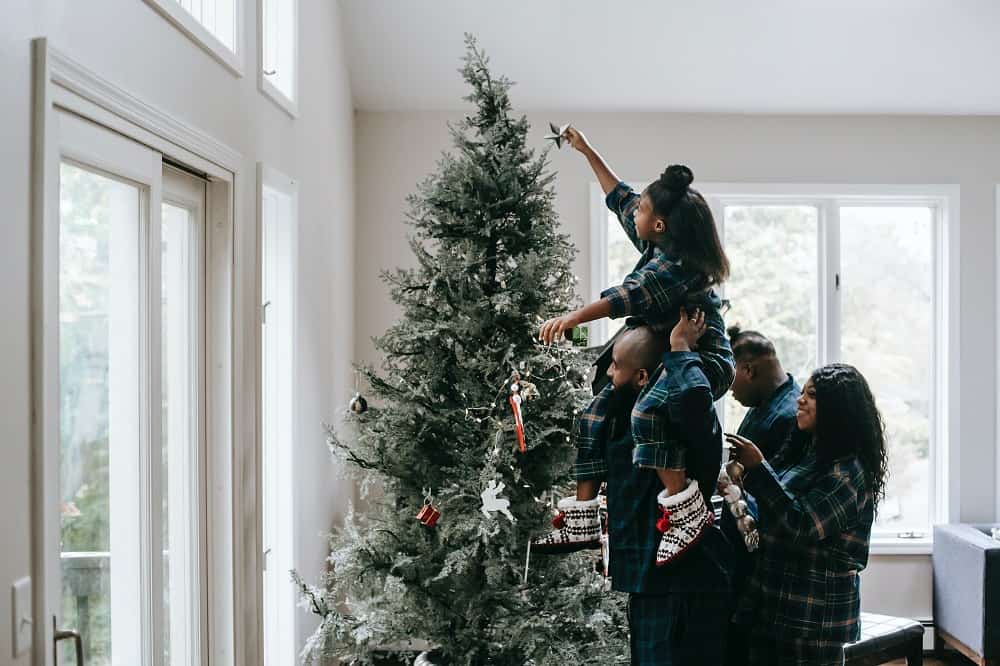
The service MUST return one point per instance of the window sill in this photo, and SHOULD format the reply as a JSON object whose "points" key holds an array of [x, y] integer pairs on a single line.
{"points": [[275, 94], [190, 26], [896, 546]]}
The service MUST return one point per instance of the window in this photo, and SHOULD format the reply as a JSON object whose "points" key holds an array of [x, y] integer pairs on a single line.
{"points": [[859, 275], [131, 277], [279, 52], [278, 204], [215, 25]]}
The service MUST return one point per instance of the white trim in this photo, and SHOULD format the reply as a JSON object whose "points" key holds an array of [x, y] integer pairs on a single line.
{"points": [[996, 285], [45, 494], [284, 470], [896, 546], [287, 104], [75, 78], [231, 59]]}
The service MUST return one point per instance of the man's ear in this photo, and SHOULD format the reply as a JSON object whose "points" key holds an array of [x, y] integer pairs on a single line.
{"points": [[642, 377], [751, 371], [659, 226]]}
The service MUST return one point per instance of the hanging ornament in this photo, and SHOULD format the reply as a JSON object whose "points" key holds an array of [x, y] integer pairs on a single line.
{"points": [[358, 404], [515, 401], [730, 482], [493, 503], [602, 512], [579, 336], [428, 514]]}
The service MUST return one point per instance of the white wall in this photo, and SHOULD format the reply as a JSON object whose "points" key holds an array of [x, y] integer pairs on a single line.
{"points": [[397, 149], [128, 43]]}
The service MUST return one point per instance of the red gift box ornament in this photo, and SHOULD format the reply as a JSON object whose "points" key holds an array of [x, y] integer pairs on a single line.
{"points": [[430, 520], [428, 515], [559, 521]]}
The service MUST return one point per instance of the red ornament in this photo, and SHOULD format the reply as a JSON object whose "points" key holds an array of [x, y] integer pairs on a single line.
{"points": [[428, 515], [663, 524], [559, 521], [430, 520]]}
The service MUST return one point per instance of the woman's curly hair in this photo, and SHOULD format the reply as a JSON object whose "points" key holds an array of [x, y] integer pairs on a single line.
{"points": [[849, 423]]}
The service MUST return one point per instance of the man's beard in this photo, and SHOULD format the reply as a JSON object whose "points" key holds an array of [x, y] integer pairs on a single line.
{"points": [[624, 395], [620, 404]]}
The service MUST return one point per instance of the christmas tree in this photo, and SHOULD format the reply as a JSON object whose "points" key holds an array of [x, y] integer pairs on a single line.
{"points": [[442, 430]]}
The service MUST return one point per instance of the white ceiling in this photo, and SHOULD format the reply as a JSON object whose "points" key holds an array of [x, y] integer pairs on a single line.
{"points": [[797, 56]]}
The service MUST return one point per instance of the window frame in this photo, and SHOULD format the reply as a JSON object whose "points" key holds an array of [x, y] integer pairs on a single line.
{"points": [[270, 178], [828, 198], [183, 20], [289, 105], [230, 623]]}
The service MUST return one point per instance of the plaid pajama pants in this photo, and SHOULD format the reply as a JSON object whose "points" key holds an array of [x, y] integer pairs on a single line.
{"points": [[679, 629]]}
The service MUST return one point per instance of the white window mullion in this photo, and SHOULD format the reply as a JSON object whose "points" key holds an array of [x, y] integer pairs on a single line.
{"points": [[125, 472], [829, 286], [182, 231], [151, 443]]}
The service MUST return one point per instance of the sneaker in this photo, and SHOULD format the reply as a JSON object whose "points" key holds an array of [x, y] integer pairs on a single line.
{"points": [[685, 517], [577, 527]]}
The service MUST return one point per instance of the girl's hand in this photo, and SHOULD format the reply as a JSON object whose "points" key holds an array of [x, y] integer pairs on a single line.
{"points": [[687, 331], [576, 139], [554, 328], [745, 451]]}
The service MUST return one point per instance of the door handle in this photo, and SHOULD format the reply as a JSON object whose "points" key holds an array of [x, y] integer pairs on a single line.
{"points": [[63, 634]]}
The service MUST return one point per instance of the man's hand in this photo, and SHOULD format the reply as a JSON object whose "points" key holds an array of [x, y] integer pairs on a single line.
{"points": [[685, 335], [576, 139], [554, 328], [745, 452]]}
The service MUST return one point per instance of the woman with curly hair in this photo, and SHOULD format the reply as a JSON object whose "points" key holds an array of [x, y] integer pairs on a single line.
{"points": [[817, 499]]}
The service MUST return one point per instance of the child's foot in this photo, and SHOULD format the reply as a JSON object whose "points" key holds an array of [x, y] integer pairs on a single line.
{"points": [[685, 517], [578, 527]]}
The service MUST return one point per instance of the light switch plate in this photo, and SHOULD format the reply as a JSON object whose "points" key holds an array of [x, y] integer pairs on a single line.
{"points": [[21, 598]]}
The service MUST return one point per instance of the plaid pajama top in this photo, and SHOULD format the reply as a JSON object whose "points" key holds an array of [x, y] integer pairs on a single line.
{"points": [[815, 530], [632, 491]]}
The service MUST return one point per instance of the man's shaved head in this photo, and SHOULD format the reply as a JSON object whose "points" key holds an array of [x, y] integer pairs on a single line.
{"points": [[640, 348]]}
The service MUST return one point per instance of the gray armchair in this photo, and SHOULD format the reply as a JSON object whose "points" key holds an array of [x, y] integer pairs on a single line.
{"points": [[967, 591]]}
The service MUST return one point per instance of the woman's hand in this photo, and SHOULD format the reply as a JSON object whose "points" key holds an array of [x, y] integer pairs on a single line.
{"points": [[745, 451], [576, 139], [554, 328], [687, 331]]}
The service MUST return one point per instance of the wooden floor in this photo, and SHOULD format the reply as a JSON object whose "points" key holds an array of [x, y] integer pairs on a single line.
{"points": [[949, 660]]}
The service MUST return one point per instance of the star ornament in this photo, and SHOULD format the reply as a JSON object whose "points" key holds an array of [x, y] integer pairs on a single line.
{"points": [[557, 134]]}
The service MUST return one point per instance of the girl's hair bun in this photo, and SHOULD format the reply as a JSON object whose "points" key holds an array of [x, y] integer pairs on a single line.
{"points": [[677, 178]]}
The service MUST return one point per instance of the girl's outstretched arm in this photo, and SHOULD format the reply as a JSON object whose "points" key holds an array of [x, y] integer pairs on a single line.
{"points": [[605, 176], [553, 328]]}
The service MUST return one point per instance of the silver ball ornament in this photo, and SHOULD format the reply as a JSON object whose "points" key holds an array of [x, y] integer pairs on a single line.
{"points": [[358, 404]]}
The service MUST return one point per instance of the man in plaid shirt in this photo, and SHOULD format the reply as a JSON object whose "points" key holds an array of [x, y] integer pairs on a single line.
{"points": [[677, 614]]}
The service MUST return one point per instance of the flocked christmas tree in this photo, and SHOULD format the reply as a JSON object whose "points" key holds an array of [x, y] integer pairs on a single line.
{"points": [[491, 267]]}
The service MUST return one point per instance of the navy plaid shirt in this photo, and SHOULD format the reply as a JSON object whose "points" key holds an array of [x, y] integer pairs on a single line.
{"points": [[632, 506], [768, 426], [815, 528]]}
